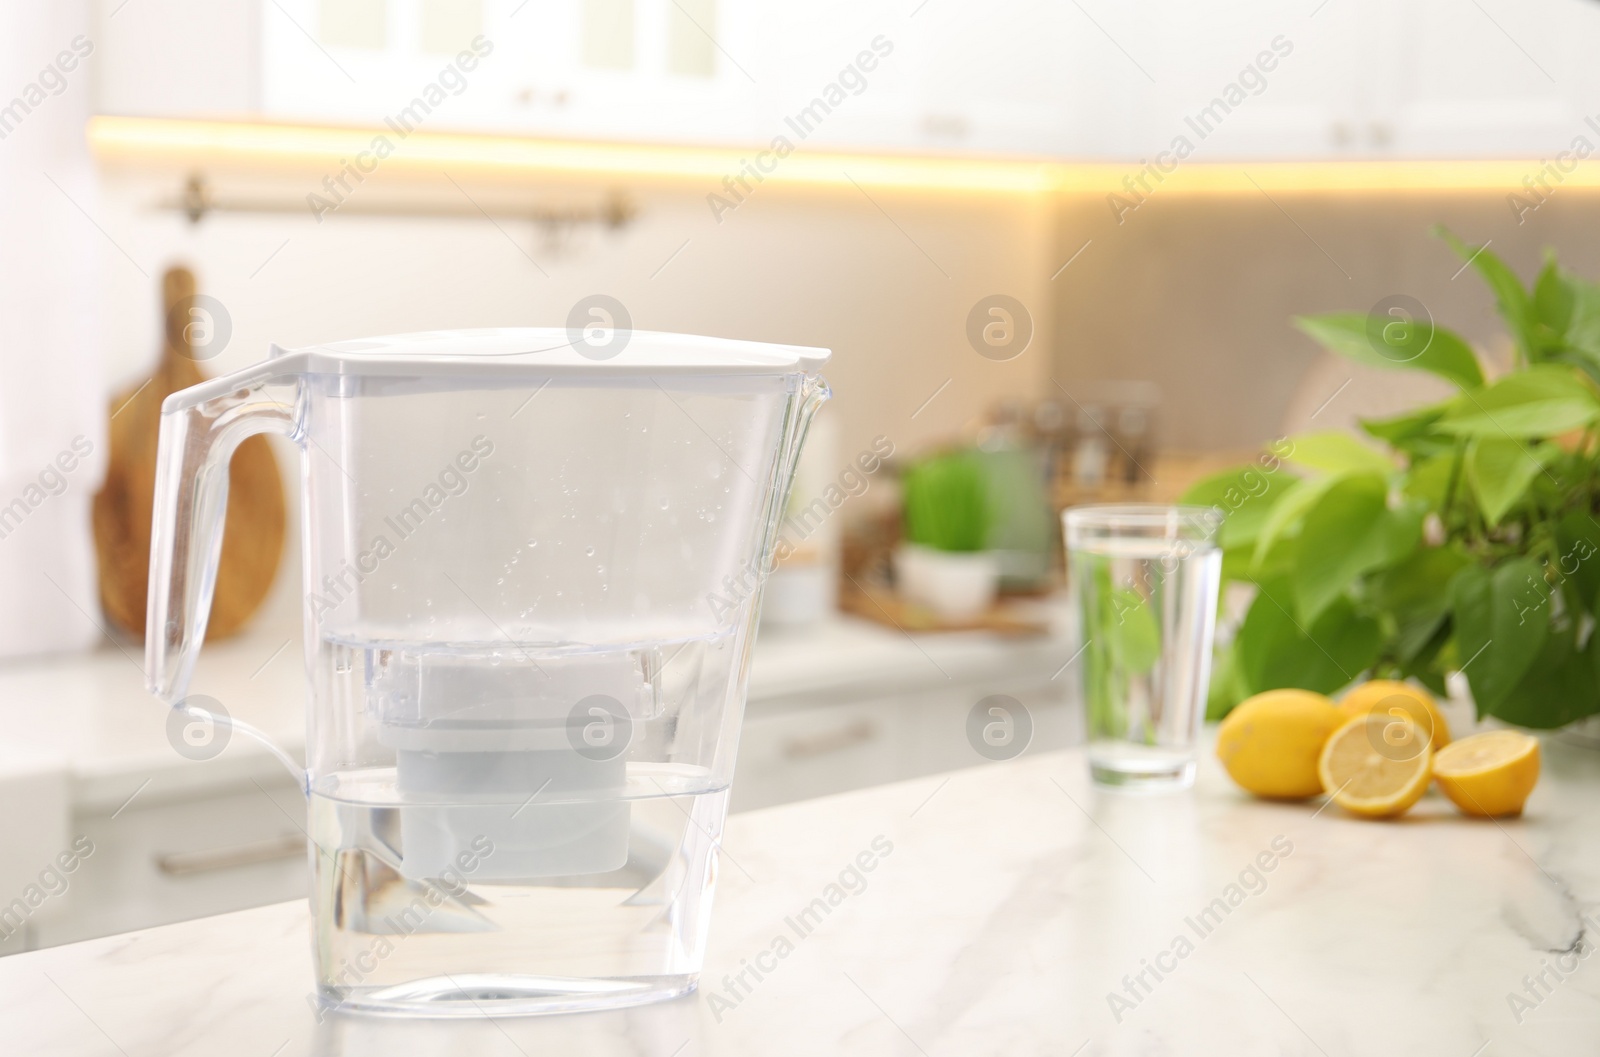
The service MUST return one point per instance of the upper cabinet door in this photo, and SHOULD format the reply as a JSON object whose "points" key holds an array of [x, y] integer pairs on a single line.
{"points": [[1253, 78], [650, 70], [1122, 80], [1342, 79], [1488, 77], [1029, 77]]}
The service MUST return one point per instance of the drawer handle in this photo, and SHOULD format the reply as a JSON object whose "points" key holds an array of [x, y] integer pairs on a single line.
{"points": [[833, 741], [188, 863]]}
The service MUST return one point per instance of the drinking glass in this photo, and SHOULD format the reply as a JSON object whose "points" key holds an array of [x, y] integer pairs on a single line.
{"points": [[1143, 580]]}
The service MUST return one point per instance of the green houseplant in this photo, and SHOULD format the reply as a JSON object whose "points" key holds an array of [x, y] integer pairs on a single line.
{"points": [[943, 564], [946, 503], [1468, 541]]}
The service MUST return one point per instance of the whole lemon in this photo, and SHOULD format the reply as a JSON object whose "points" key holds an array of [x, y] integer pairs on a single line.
{"points": [[1386, 695], [1270, 743]]}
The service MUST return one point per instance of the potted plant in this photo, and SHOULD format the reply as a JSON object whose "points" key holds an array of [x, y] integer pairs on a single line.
{"points": [[943, 563], [1466, 541]]}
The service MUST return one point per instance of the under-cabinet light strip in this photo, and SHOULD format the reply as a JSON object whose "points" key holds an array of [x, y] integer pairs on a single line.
{"points": [[733, 172]]}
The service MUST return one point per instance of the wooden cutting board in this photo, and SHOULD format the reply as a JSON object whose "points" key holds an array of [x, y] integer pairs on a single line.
{"points": [[884, 606], [252, 542]]}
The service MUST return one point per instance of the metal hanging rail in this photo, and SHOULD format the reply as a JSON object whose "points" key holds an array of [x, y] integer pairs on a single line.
{"points": [[196, 202]]}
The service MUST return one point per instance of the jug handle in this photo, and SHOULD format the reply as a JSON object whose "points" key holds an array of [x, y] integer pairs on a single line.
{"points": [[201, 427]]}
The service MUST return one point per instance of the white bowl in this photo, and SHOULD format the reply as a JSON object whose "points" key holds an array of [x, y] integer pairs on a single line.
{"points": [[957, 586]]}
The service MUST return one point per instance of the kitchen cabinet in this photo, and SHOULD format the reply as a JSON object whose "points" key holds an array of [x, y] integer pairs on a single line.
{"points": [[642, 70], [1255, 79], [177, 58], [803, 749], [1348, 79], [154, 863], [1491, 78], [1321, 79]]}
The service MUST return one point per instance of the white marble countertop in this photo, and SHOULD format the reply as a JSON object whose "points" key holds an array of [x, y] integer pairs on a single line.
{"points": [[1017, 898], [89, 716]]}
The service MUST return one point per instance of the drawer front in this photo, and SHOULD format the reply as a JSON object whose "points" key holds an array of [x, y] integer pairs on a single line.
{"points": [[186, 859], [815, 748], [814, 752]]}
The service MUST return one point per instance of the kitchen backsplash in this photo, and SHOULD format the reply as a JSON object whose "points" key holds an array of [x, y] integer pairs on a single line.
{"points": [[887, 282], [1195, 293]]}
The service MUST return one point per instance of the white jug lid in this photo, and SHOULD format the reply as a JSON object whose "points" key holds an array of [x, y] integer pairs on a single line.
{"points": [[556, 349]]}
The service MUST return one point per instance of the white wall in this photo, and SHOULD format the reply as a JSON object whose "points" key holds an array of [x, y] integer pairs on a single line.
{"points": [[816, 268]]}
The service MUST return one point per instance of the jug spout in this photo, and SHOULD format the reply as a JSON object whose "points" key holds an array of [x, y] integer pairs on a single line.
{"points": [[814, 392]]}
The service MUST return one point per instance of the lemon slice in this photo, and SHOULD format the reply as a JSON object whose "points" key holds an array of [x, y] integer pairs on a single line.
{"points": [[1376, 765], [1386, 696], [1489, 774]]}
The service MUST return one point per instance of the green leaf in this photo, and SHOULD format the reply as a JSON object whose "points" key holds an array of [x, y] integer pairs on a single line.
{"points": [[1560, 687], [1501, 469], [1277, 562], [1416, 641], [1135, 637], [1424, 662], [1540, 401], [1578, 539], [1587, 362], [1213, 491], [1430, 678], [1429, 479], [1582, 331], [1515, 305], [1273, 651], [1416, 592], [1336, 452], [1552, 297], [1243, 495], [1238, 563], [1424, 347], [1104, 684], [1286, 513], [1566, 310], [1412, 432], [1419, 586], [1501, 621], [946, 502], [1398, 534], [1336, 543], [1225, 691]]}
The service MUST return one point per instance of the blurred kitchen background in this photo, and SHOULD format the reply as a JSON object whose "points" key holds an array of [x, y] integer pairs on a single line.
{"points": [[1054, 247]]}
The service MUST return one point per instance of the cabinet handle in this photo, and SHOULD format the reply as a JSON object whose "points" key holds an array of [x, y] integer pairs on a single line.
{"points": [[833, 741], [188, 863]]}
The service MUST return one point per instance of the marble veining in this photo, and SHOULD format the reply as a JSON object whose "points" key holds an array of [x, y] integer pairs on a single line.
{"points": [[1010, 909]]}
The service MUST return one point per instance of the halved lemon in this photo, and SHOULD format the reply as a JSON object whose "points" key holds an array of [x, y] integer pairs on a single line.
{"points": [[1376, 765], [1388, 695], [1489, 774]]}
